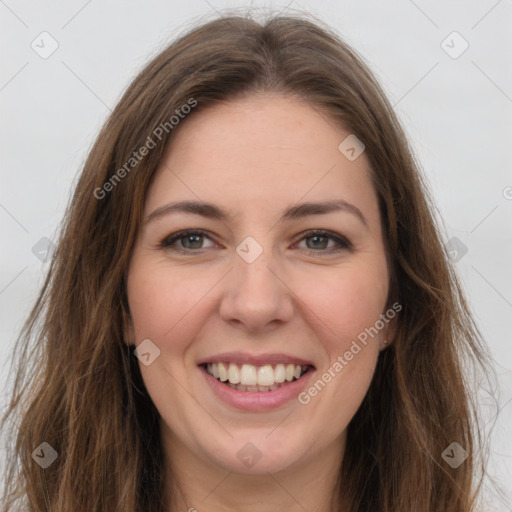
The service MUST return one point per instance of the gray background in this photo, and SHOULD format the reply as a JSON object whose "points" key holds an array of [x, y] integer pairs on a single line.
{"points": [[456, 108]]}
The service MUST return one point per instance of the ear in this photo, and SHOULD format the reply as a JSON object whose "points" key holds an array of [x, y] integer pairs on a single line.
{"points": [[387, 336], [128, 330]]}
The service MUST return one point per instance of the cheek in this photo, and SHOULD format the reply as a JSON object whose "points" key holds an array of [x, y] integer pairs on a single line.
{"points": [[167, 308], [160, 301], [343, 307], [343, 304]]}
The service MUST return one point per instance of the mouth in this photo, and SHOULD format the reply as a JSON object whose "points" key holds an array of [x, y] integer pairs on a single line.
{"points": [[256, 378]]}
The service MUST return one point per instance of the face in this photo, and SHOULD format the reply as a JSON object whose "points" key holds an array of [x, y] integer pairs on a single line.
{"points": [[266, 320]]}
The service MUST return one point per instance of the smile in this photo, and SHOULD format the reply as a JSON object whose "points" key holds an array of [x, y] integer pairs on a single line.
{"points": [[249, 377]]}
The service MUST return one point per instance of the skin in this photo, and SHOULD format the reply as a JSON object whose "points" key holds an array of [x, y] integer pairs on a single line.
{"points": [[255, 157]]}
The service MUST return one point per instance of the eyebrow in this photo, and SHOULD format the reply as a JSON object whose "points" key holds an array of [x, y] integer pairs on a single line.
{"points": [[299, 211]]}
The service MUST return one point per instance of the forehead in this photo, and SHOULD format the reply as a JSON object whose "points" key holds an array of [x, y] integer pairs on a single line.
{"points": [[258, 153]]}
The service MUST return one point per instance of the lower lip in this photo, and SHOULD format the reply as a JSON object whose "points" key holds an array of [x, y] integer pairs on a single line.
{"points": [[257, 400]]}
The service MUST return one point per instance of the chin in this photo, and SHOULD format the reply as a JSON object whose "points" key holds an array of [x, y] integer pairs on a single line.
{"points": [[258, 454]]}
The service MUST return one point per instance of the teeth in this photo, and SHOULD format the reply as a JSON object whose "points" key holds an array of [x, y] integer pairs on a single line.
{"points": [[289, 372], [279, 373], [266, 375], [233, 374], [223, 374], [252, 378], [248, 376]]}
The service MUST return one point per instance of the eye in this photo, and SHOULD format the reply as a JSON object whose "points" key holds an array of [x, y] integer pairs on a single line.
{"points": [[320, 240], [191, 239]]}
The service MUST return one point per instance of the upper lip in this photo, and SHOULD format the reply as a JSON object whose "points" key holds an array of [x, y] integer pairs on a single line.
{"points": [[254, 359]]}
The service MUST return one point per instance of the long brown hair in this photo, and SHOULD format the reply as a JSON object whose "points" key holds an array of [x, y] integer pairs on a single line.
{"points": [[77, 385]]}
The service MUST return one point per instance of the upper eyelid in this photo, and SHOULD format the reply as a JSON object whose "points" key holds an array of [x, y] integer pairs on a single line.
{"points": [[178, 235]]}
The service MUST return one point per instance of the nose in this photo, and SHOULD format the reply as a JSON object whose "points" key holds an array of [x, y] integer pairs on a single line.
{"points": [[255, 296]]}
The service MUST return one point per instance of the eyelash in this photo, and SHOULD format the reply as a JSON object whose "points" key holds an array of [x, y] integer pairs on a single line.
{"points": [[342, 242]]}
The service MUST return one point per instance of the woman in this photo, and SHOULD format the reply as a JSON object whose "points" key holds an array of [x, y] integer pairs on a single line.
{"points": [[250, 307]]}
